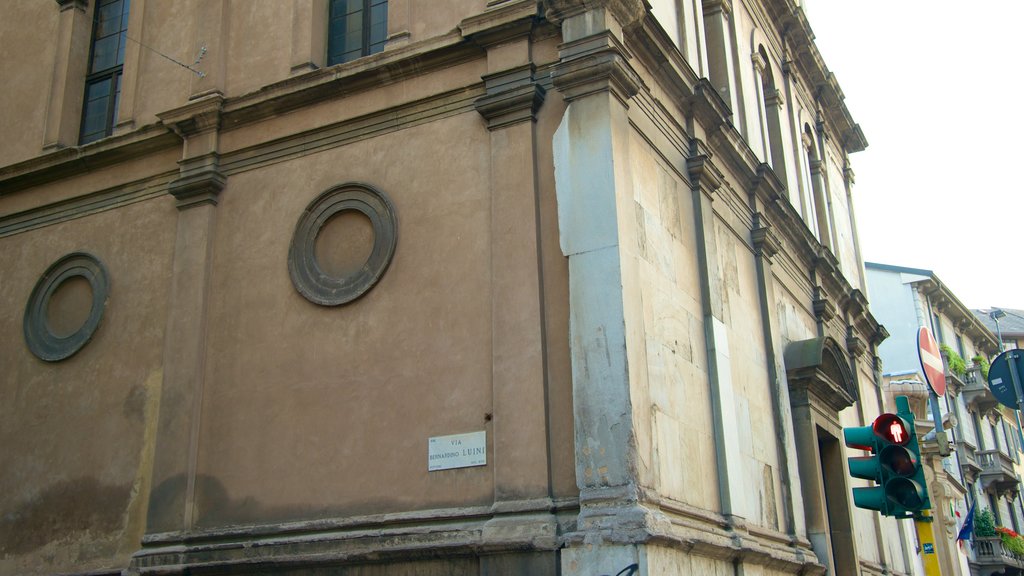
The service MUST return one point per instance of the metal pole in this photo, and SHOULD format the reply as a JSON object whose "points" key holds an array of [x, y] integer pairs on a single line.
{"points": [[926, 535]]}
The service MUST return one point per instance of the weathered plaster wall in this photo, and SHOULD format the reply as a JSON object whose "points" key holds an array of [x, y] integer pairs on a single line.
{"points": [[78, 434], [310, 409]]}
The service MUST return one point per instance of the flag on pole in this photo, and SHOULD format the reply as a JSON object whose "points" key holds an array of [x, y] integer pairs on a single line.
{"points": [[967, 530]]}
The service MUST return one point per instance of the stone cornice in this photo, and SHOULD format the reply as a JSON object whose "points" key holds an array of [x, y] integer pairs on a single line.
{"points": [[196, 117], [824, 308], [501, 22], [594, 64], [513, 96], [68, 162], [702, 171], [80, 5], [315, 86], [201, 182], [765, 241], [627, 12], [806, 57]]}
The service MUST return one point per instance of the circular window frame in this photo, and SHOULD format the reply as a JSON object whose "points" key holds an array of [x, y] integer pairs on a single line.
{"points": [[306, 273], [40, 339]]}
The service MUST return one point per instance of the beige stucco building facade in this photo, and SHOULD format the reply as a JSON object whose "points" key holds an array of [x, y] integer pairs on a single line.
{"points": [[248, 289]]}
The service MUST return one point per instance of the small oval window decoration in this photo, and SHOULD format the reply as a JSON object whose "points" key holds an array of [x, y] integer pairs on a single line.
{"points": [[309, 276], [39, 335]]}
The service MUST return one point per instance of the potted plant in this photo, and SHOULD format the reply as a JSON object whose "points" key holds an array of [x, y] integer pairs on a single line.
{"points": [[954, 361]]}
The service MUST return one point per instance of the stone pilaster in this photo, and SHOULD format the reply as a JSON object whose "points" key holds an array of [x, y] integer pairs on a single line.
{"points": [[172, 498], [509, 108], [705, 180], [64, 104]]}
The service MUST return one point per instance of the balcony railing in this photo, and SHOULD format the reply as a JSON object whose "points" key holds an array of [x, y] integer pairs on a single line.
{"points": [[992, 557], [997, 472], [976, 392]]}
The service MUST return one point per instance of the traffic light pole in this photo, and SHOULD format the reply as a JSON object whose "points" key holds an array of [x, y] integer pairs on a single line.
{"points": [[926, 536]]}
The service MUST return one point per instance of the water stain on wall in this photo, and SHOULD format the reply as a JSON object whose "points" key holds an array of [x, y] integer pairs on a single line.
{"points": [[61, 510]]}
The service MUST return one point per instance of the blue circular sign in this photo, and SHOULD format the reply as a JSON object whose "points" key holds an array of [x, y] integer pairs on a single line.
{"points": [[1000, 380]]}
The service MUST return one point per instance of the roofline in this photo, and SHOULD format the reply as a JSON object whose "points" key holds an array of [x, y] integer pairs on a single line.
{"points": [[937, 291], [903, 269]]}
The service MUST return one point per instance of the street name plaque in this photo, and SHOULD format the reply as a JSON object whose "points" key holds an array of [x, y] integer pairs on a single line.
{"points": [[457, 451]]}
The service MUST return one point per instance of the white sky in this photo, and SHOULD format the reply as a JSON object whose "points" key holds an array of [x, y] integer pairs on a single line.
{"points": [[937, 88]]}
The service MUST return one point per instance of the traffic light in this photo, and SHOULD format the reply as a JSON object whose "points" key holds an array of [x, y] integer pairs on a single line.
{"points": [[894, 464]]}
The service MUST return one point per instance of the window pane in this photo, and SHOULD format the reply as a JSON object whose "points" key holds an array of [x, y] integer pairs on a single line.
{"points": [[354, 31], [95, 119], [108, 18], [379, 23], [121, 40], [117, 102], [104, 54]]}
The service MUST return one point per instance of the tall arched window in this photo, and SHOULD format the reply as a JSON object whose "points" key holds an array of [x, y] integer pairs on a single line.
{"points": [[811, 168], [772, 102]]}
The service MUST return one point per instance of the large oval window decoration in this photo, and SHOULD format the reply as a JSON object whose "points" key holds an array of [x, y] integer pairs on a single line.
{"points": [[55, 331], [342, 207]]}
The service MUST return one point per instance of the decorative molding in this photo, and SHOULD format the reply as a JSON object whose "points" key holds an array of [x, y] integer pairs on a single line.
{"points": [[766, 243], [197, 117], [712, 7], [201, 182], [854, 344], [309, 278], [703, 173], [759, 63], [819, 373], [824, 309], [503, 20], [80, 5], [595, 64], [628, 13], [80, 206], [38, 336], [513, 96]]}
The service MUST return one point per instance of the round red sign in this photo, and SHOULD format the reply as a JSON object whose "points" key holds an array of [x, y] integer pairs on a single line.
{"points": [[931, 361]]}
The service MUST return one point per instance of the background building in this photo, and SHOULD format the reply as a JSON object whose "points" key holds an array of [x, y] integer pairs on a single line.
{"points": [[393, 287], [1006, 323], [984, 467]]}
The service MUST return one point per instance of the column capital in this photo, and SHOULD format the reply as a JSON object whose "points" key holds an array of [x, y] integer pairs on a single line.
{"points": [[628, 13], [717, 6], [197, 117], [79, 5], [824, 309], [759, 63], [513, 96], [704, 175], [201, 182], [766, 242], [595, 64]]}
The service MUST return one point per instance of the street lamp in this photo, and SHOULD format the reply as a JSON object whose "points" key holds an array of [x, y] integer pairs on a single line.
{"points": [[995, 314]]}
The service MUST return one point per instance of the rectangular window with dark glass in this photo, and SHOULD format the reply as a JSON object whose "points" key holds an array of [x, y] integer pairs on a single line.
{"points": [[356, 28], [106, 60]]}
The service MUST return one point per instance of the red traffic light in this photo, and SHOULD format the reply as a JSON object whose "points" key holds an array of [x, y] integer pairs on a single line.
{"points": [[892, 429]]}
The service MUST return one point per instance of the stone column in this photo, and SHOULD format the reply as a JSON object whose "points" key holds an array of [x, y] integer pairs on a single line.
{"points": [[522, 500], [592, 175], [172, 499], [70, 62]]}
